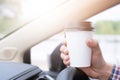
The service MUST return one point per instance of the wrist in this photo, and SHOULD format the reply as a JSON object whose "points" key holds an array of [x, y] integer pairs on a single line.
{"points": [[106, 72], [115, 73]]}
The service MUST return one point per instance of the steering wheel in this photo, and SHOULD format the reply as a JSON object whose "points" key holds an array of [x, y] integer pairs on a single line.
{"points": [[71, 73]]}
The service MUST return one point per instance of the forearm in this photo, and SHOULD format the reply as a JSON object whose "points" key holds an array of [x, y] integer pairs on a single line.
{"points": [[83, 9], [74, 10]]}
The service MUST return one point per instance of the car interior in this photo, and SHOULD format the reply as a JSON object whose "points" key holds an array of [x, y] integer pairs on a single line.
{"points": [[15, 47]]}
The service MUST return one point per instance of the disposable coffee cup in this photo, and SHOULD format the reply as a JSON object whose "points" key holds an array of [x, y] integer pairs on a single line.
{"points": [[77, 34]]}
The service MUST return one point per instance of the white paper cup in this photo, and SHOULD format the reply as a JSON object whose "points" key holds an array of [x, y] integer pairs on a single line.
{"points": [[79, 52]]}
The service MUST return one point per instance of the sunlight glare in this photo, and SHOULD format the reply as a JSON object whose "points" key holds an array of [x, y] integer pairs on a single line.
{"points": [[35, 8]]}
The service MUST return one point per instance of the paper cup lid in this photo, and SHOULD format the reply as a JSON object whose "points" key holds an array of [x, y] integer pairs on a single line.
{"points": [[83, 25]]}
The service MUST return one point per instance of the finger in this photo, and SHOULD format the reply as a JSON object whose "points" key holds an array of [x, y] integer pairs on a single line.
{"points": [[64, 57], [66, 63], [93, 44], [64, 50], [65, 42]]}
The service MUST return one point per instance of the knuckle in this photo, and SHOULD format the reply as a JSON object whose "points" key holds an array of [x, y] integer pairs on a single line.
{"points": [[62, 48], [62, 56]]}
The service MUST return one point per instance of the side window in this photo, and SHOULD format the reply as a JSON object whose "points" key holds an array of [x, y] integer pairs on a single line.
{"points": [[16, 13], [9, 16]]}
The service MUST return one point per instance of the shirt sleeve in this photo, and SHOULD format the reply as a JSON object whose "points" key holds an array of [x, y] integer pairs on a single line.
{"points": [[115, 73]]}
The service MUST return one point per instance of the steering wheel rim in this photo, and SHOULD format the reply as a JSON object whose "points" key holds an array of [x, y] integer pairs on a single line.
{"points": [[71, 73]]}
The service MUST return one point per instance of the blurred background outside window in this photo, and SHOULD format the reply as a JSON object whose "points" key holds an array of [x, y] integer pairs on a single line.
{"points": [[16, 13], [9, 16]]}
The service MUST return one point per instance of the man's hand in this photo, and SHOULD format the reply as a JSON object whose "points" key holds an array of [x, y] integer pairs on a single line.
{"points": [[99, 68]]}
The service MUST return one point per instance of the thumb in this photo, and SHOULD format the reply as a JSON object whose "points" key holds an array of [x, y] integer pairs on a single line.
{"points": [[93, 44]]}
